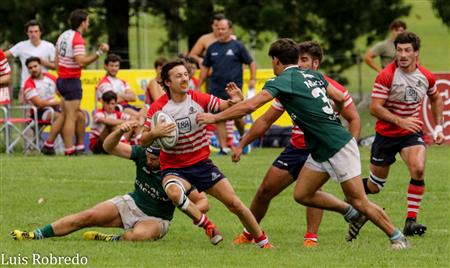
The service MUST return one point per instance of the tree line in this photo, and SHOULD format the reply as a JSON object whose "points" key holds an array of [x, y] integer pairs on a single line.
{"points": [[335, 24]]}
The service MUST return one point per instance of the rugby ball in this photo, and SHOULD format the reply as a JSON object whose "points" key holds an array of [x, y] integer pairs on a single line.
{"points": [[170, 141]]}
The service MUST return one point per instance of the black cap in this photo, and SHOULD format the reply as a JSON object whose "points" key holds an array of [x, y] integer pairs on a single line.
{"points": [[153, 149]]}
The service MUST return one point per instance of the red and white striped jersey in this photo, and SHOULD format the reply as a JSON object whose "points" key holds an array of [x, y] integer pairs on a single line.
{"points": [[70, 44], [403, 93], [193, 145], [297, 136], [44, 88], [109, 83], [4, 70], [97, 128]]}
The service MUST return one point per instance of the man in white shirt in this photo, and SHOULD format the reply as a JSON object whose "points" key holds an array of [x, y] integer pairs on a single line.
{"points": [[33, 47]]}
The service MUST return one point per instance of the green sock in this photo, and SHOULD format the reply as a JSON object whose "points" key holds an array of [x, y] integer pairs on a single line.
{"points": [[46, 231]]}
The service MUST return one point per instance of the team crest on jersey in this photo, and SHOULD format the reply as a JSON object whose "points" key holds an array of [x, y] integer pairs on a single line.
{"points": [[184, 125], [411, 94], [192, 110]]}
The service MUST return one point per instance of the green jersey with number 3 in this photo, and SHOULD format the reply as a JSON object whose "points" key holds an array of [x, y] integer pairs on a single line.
{"points": [[303, 95]]}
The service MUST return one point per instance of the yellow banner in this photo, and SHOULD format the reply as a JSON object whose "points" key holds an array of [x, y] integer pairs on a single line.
{"points": [[138, 80]]}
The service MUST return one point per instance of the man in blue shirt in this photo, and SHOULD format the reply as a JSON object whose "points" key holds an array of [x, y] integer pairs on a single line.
{"points": [[226, 57]]}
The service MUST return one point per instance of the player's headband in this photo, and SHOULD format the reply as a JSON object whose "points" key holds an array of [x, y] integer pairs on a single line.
{"points": [[153, 150]]}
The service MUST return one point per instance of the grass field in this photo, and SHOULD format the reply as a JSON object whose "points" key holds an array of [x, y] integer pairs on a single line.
{"points": [[73, 184]]}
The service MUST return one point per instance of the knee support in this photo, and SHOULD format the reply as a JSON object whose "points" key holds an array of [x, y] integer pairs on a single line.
{"points": [[379, 182], [183, 202]]}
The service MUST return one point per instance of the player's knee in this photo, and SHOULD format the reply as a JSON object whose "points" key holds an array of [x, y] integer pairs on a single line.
{"points": [[302, 198], [235, 206], [263, 195], [417, 170], [176, 192], [377, 181], [85, 218], [139, 236]]}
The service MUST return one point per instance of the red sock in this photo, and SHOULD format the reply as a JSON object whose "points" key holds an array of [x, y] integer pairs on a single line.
{"points": [[79, 147], [69, 151], [49, 143], [247, 234], [311, 236], [262, 240], [416, 190], [203, 222]]}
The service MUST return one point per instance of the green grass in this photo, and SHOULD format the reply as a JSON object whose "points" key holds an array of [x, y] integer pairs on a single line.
{"points": [[74, 184]]}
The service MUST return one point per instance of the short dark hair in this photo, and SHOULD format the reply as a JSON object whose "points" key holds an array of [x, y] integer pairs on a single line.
{"points": [[408, 38], [189, 59], [165, 72], [159, 62], [108, 96], [219, 16], [32, 59], [112, 58], [77, 17], [33, 23], [397, 24], [312, 48], [286, 50]]}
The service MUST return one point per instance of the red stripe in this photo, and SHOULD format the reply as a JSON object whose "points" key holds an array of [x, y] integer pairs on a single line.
{"points": [[183, 136]]}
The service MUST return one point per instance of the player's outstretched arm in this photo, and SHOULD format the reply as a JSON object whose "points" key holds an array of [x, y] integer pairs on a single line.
{"points": [[112, 143], [259, 127], [238, 110]]}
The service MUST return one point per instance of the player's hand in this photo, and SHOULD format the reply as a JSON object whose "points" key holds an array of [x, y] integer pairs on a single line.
{"points": [[234, 92], [410, 123], [104, 47], [438, 135], [163, 129], [128, 126], [206, 118], [236, 154]]}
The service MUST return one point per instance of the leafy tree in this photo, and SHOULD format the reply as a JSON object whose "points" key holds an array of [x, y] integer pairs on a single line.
{"points": [[335, 24], [442, 8]]}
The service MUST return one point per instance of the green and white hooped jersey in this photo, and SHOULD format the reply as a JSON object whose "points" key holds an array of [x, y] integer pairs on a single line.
{"points": [[303, 95]]}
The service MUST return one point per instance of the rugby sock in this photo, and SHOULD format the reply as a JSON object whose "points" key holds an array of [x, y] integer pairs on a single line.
{"points": [[350, 213], [416, 190], [311, 236], [247, 234], [262, 240], [203, 222], [44, 232], [49, 144], [69, 151], [79, 147], [396, 235]]}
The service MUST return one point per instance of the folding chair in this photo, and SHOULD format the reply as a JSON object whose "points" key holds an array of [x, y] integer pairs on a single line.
{"points": [[42, 124], [11, 123]]}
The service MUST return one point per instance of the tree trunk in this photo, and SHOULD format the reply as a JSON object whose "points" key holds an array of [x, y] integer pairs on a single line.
{"points": [[117, 22]]}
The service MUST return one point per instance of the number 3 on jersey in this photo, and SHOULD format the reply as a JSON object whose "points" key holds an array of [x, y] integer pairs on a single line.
{"points": [[320, 92]]}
